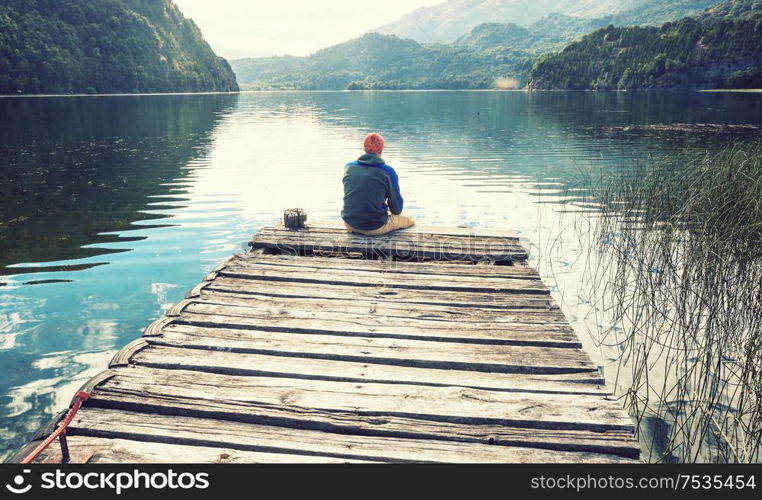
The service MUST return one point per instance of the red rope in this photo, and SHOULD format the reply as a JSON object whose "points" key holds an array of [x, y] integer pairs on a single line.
{"points": [[79, 398]]}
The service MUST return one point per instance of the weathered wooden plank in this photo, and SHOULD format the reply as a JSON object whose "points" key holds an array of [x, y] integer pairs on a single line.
{"points": [[225, 363], [391, 280], [443, 403], [402, 245], [410, 234], [380, 293], [486, 232], [361, 271], [338, 226], [277, 401], [246, 306], [366, 265], [454, 311], [529, 334], [459, 273], [95, 450], [456, 314], [252, 437], [407, 242], [401, 352], [510, 320]]}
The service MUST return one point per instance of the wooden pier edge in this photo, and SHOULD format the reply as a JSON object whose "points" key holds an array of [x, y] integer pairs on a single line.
{"points": [[318, 342]]}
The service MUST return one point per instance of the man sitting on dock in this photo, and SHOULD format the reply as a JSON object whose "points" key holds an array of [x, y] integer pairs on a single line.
{"points": [[371, 192]]}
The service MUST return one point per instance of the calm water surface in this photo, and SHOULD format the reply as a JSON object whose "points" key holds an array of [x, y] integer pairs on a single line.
{"points": [[111, 208]]}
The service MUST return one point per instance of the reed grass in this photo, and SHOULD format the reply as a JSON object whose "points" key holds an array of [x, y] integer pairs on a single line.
{"points": [[678, 254]]}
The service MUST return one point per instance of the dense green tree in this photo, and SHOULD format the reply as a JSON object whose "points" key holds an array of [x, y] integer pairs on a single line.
{"points": [[722, 47], [49, 46]]}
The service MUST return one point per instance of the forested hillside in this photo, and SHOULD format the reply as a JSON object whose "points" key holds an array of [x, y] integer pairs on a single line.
{"points": [[52, 46], [490, 55], [555, 30], [721, 47], [376, 61]]}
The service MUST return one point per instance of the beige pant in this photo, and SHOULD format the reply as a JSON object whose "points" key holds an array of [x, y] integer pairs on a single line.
{"points": [[393, 223]]}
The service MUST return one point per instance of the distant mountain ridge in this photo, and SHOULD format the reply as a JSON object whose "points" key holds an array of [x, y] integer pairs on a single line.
{"points": [[447, 21], [555, 30], [107, 46], [719, 48], [490, 55]]}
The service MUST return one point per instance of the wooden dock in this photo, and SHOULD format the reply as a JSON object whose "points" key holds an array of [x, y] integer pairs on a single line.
{"points": [[430, 344]]}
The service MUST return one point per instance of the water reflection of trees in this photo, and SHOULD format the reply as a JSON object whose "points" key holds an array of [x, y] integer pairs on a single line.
{"points": [[74, 168]]}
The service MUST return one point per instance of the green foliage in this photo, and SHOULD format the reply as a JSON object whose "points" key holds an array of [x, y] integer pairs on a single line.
{"points": [[550, 33], [475, 60], [720, 48], [491, 35], [555, 30], [88, 46]]}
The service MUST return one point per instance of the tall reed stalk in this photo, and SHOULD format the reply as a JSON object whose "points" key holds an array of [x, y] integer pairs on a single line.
{"points": [[679, 272]]}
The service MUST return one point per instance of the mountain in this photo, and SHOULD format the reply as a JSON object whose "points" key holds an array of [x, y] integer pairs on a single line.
{"points": [[658, 12], [447, 21], [721, 47], [733, 9], [491, 35], [555, 30], [489, 53], [376, 61], [49, 46], [550, 33]]}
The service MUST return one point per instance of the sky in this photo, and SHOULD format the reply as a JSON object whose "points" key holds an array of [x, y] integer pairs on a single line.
{"points": [[295, 27]]}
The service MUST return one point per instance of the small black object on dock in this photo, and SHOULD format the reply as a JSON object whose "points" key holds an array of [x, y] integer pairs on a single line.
{"points": [[294, 218]]}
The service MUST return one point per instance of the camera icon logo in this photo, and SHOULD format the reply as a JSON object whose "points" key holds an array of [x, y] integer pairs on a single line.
{"points": [[18, 487]]}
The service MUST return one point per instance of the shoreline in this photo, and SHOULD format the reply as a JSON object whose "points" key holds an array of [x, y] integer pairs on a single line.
{"points": [[121, 94], [257, 91], [734, 91], [151, 94]]}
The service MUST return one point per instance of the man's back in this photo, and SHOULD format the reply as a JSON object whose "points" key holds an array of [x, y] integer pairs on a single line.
{"points": [[371, 192], [368, 184]]}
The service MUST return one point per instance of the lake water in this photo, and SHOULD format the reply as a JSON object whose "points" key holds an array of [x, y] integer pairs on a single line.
{"points": [[111, 208]]}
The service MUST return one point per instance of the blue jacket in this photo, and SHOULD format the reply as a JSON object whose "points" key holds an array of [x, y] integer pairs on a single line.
{"points": [[371, 191]]}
